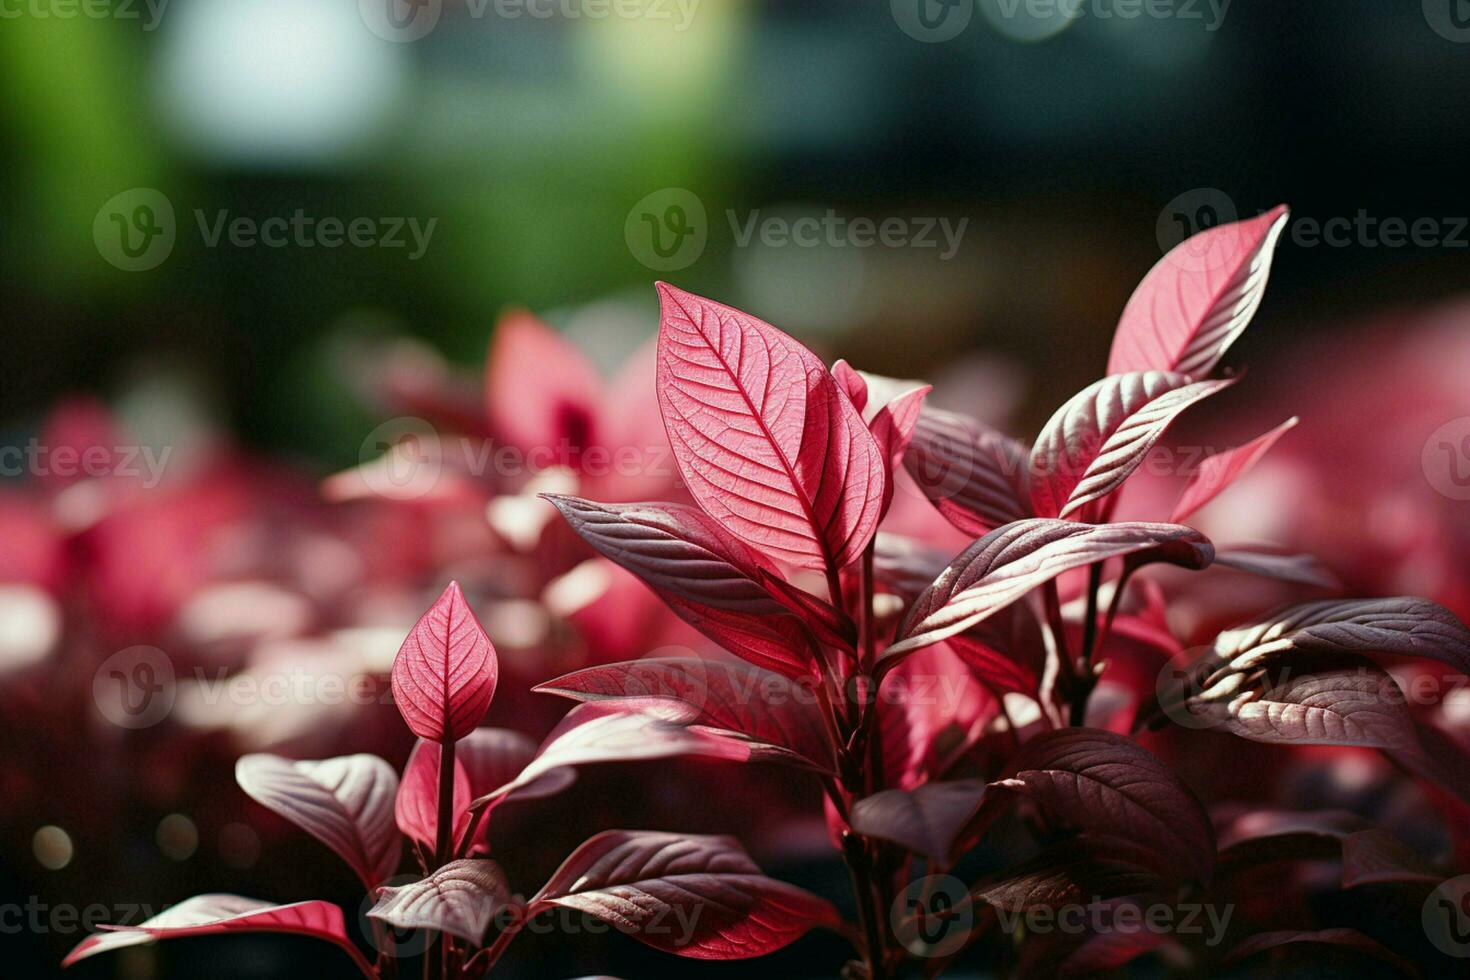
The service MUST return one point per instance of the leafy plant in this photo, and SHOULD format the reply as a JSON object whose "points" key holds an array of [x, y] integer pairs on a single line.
{"points": [[1026, 790]]}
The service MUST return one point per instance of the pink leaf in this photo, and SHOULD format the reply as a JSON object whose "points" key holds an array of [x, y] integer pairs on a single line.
{"points": [[1098, 438], [1011, 561], [1108, 784], [206, 915], [417, 806], [767, 710], [1198, 299], [596, 733], [687, 894], [926, 820], [707, 576], [460, 899], [346, 803], [541, 391], [1217, 472], [445, 672], [974, 475], [766, 439], [891, 410]]}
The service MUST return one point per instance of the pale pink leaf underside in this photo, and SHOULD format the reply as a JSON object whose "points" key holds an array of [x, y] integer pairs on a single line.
{"points": [[460, 899], [346, 803], [1099, 437]]}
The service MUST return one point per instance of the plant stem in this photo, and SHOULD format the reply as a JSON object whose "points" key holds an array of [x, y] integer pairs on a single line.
{"points": [[1083, 680], [444, 847]]}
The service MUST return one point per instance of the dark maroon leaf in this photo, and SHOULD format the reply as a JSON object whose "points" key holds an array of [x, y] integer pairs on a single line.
{"points": [[1271, 562], [459, 899], [1008, 562], [346, 803], [1350, 939], [1098, 438], [972, 473], [1375, 856], [926, 820], [687, 894], [1107, 784], [708, 577], [1078, 871]]}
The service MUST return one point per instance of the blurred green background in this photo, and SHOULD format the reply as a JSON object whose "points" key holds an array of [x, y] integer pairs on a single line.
{"points": [[1065, 142]]}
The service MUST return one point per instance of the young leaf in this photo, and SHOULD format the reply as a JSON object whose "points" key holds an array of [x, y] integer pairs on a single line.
{"points": [[598, 733], [706, 575], [926, 820], [1198, 299], [206, 915], [533, 405], [445, 672], [1217, 472], [687, 894], [346, 803], [1107, 784], [1012, 560], [974, 475], [417, 806], [459, 899], [766, 440], [764, 709], [1098, 438], [891, 410]]}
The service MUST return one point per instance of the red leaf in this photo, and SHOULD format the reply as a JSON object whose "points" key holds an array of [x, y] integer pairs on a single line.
{"points": [[206, 915], [1347, 938], [891, 410], [926, 820], [417, 806], [765, 709], [460, 899], [1098, 438], [687, 894], [1011, 561], [767, 441], [1198, 299], [445, 672], [1107, 784], [346, 803], [541, 391], [596, 733], [972, 473], [1217, 472], [707, 576]]}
